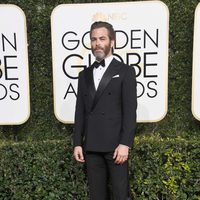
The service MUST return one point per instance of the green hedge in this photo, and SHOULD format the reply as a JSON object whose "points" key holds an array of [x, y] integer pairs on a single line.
{"points": [[165, 169], [159, 169], [43, 170]]}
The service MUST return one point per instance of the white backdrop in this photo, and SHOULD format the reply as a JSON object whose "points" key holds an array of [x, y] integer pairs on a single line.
{"points": [[142, 30], [196, 66], [14, 75]]}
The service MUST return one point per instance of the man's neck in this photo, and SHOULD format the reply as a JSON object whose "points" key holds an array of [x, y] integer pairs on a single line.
{"points": [[105, 58]]}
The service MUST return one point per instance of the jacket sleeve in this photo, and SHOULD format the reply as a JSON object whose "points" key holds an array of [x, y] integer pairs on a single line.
{"points": [[79, 115], [129, 106]]}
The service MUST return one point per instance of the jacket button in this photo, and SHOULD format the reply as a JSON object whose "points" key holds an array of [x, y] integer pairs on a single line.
{"points": [[103, 113]]}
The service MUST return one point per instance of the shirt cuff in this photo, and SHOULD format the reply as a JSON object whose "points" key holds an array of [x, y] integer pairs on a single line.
{"points": [[125, 146]]}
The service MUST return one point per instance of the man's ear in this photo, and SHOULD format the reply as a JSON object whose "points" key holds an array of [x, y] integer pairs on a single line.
{"points": [[112, 43]]}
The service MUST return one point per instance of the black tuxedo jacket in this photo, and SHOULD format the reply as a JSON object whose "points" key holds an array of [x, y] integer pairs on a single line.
{"points": [[107, 117]]}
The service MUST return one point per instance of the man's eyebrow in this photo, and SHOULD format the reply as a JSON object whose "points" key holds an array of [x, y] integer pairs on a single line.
{"points": [[101, 37]]}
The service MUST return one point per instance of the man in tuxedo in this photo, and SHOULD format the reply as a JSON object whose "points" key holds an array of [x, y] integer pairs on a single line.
{"points": [[105, 117]]}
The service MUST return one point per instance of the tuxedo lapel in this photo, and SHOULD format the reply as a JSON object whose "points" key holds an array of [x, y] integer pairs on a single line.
{"points": [[112, 69], [90, 82]]}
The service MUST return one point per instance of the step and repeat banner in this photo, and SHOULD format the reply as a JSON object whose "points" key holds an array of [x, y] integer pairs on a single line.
{"points": [[196, 66], [142, 42], [142, 30], [14, 75]]}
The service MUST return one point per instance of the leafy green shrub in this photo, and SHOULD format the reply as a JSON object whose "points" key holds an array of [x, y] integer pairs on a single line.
{"points": [[43, 170], [165, 169], [159, 169]]}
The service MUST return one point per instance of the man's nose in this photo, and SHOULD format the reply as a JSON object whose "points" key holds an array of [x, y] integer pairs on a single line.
{"points": [[98, 43]]}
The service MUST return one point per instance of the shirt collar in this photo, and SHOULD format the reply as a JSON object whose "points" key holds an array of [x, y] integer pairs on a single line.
{"points": [[108, 60]]}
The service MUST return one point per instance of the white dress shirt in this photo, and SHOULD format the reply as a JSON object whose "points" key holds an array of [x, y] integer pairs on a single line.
{"points": [[99, 72]]}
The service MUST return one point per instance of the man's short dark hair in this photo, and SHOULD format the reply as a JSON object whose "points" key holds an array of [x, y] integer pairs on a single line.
{"points": [[101, 24]]}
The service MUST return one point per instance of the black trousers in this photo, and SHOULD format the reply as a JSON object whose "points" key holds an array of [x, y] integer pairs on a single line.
{"points": [[100, 167]]}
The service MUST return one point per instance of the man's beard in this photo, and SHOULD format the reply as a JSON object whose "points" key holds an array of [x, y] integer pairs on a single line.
{"points": [[100, 55]]}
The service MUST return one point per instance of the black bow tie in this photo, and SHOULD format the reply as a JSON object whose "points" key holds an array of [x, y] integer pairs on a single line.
{"points": [[97, 64]]}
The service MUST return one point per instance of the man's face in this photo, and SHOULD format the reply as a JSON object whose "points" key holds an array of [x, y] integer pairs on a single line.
{"points": [[100, 43]]}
